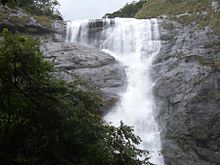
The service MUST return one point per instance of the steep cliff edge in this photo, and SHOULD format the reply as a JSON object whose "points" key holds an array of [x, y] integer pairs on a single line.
{"points": [[18, 20], [187, 93]]}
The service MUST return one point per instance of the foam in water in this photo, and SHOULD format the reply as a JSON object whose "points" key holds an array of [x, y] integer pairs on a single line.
{"points": [[134, 43]]}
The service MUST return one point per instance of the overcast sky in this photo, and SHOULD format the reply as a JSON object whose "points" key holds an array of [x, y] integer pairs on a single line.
{"points": [[87, 9]]}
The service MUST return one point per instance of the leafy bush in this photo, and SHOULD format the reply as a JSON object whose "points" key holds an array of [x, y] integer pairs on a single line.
{"points": [[36, 7], [43, 20], [45, 121], [4, 2]]}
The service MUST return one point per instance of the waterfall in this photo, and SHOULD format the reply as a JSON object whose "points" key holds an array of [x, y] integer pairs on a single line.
{"points": [[215, 5], [134, 43]]}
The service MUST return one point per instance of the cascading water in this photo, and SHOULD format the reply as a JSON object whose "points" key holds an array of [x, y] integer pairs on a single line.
{"points": [[134, 43]]}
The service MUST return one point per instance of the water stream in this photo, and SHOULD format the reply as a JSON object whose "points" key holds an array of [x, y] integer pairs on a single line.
{"points": [[134, 43]]}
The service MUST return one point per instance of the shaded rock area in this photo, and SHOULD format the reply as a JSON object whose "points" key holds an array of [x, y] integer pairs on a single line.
{"points": [[17, 20], [99, 24], [94, 33], [187, 93], [74, 61]]}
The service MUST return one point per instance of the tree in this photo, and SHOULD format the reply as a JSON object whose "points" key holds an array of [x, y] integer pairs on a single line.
{"points": [[129, 10], [45, 121], [39, 7], [36, 7], [4, 2]]}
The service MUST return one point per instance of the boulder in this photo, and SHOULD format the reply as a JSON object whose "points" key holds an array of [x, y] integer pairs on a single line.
{"points": [[74, 61]]}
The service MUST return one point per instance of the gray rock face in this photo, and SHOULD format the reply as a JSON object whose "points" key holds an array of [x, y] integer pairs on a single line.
{"points": [[74, 61], [187, 93], [17, 20]]}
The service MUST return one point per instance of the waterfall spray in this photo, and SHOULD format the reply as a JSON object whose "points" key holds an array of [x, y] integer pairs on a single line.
{"points": [[134, 43]]}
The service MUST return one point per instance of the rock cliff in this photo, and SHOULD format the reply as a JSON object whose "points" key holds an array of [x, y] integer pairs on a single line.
{"points": [[187, 93], [74, 61], [186, 73], [18, 20]]}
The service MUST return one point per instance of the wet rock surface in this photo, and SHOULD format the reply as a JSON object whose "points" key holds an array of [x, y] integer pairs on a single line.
{"points": [[74, 61], [187, 92]]}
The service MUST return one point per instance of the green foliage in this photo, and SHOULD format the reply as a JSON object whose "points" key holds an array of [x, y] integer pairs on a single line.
{"points": [[129, 10], [40, 7], [46, 121], [215, 22], [4, 2], [43, 20], [16, 19], [36, 7], [183, 11], [154, 8]]}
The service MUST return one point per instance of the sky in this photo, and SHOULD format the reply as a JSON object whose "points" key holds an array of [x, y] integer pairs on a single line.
{"points": [[89, 9]]}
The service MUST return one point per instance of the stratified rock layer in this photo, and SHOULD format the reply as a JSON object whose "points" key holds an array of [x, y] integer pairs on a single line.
{"points": [[17, 20], [187, 93]]}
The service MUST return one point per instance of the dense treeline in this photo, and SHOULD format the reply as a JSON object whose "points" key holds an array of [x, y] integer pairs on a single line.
{"points": [[39, 7], [4, 2], [129, 10], [36, 7], [46, 121]]}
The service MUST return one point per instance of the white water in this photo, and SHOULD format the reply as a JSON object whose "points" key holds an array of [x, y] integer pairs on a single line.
{"points": [[215, 5], [134, 43]]}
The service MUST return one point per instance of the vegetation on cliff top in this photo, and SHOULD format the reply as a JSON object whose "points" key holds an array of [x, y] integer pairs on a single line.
{"points": [[35, 7], [29, 12], [44, 120], [129, 10], [183, 11], [155, 8]]}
